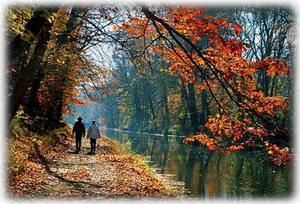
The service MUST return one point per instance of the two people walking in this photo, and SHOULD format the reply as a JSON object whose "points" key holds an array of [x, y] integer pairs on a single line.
{"points": [[79, 131]]}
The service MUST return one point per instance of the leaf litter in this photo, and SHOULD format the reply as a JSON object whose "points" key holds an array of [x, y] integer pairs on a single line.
{"points": [[111, 173]]}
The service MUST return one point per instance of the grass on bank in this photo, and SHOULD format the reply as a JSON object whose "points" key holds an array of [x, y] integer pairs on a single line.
{"points": [[142, 162]]}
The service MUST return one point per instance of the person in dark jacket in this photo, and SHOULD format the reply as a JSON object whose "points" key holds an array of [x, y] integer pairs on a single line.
{"points": [[79, 131]]}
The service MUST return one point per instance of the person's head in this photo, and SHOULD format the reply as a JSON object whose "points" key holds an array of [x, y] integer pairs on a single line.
{"points": [[94, 122], [79, 119]]}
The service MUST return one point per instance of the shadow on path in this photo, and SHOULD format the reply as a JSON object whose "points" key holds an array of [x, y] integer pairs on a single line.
{"points": [[75, 183]]}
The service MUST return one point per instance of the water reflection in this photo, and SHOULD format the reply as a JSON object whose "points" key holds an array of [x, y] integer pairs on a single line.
{"points": [[211, 175]]}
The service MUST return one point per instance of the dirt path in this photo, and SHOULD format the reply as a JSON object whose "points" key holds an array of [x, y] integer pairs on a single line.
{"points": [[108, 174]]}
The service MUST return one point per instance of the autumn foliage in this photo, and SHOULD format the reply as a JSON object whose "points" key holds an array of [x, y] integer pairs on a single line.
{"points": [[207, 51]]}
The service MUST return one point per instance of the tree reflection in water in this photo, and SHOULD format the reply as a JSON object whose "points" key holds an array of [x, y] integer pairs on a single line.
{"points": [[211, 175]]}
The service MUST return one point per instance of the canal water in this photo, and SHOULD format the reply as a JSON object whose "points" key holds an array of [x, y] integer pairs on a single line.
{"points": [[208, 175]]}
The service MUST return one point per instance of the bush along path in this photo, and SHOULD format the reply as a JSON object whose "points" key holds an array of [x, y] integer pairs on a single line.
{"points": [[60, 173]]}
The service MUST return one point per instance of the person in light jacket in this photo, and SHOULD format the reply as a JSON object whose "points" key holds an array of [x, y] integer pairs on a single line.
{"points": [[93, 134]]}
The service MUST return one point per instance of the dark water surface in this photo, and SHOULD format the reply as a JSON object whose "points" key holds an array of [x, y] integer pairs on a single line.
{"points": [[206, 174]]}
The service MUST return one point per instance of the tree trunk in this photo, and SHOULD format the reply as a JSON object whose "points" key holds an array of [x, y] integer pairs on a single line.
{"points": [[193, 107], [166, 111], [265, 83], [62, 40], [272, 92], [20, 45], [205, 112], [151, 105], [33, 106], [190, 98], [27, 74], [136, 120]]}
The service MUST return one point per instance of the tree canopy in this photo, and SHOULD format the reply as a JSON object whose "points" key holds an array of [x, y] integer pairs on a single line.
{"points": [[221, 76]]}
